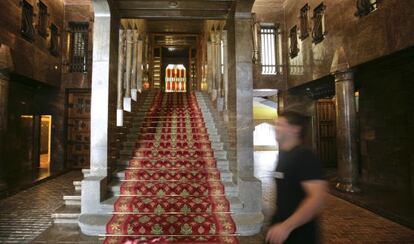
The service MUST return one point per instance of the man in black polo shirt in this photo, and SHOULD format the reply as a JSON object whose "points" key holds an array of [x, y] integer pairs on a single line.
{"points": [[301, 189]]}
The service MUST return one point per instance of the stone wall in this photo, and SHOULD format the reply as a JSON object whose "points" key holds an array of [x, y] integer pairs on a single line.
{"points": [[386, 122], [32, 59], [382, 32]]}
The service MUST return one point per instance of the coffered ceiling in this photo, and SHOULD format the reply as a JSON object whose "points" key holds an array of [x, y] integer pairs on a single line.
{"points": [[174, 9]]}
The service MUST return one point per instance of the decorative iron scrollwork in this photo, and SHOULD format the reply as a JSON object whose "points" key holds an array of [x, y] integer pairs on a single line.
{"points": [[43, 19], [54, 40], [364, 7], [304, 22], [293, 36], [318, 31], [27, 28], [79, 46]]}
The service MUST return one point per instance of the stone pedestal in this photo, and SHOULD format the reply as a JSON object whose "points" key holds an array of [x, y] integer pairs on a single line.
{"points": [[346, 132]]}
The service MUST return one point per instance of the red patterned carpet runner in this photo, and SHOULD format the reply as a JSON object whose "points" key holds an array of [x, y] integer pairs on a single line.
{"points": [[172, 191]]}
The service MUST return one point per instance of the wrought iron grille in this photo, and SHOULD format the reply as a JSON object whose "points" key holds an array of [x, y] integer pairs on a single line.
{"points": [[54, 40], [268, 50], [304, 22], [293, 36], [318, 32], [27, 29], [364, 7], [43, 17], [79, 46]]}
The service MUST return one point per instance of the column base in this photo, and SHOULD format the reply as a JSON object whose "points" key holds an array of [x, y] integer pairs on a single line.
{"points": [[347, 187], [134, 94], [127, 104], [220, 104], [119, 117], [213, 95]]}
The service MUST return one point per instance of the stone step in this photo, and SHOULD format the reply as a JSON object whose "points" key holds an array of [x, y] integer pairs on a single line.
{"points": [[78, 185], [66, 215], [220, 154], [107, 206], [221, 164], [72, 200], [93, 224], [225, 175], [248, 224], [230, 189], [86, 172], [130, 145]]}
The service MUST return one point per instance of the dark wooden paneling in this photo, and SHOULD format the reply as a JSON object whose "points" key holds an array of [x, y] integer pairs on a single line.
{"points": [[326, 131], [78, 121]]}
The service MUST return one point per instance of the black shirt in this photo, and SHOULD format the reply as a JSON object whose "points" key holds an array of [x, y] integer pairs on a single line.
{"points": [[294, 166]]}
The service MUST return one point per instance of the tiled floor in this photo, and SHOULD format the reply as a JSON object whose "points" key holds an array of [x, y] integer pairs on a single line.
{"points": [[27, 214]]}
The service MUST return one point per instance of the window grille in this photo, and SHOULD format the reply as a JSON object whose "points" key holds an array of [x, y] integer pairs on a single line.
{"points": [[304, 22], [293, 36], [268, 49], [222, 57], [54, 40], [79, 46], [43, 17], [318, 32], [364, 7], [27, 29]]}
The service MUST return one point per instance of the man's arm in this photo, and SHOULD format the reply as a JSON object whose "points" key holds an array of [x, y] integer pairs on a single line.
{"points": [[316, 191]]}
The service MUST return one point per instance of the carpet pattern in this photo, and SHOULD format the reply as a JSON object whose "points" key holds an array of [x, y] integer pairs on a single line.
{"points": [[172, 192]]}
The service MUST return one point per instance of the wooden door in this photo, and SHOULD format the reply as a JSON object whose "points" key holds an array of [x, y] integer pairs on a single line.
{"points": [[78, 133], [326, 131]]}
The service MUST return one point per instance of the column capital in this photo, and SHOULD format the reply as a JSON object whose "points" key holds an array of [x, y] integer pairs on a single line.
{"points": [[344, 75], [243, 15]]}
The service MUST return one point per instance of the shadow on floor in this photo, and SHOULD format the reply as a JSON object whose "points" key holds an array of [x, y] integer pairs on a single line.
{"points": [[13, 183], [394, 205]]}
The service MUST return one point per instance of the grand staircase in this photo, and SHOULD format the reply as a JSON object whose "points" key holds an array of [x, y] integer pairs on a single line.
{"points": [[171, 188], [159, 167]]}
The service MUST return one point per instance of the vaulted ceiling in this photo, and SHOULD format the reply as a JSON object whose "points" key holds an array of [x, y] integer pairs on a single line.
{"points": [[174, 9]]}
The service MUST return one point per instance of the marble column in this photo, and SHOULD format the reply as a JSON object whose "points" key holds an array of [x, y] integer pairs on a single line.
{"points": [[127, 77], [346, 131], [120, 81], [213, 66], [139, 54], [226, 72], [134, 90], [209, 67], [250, 192], [94, 184], [219, 74]]}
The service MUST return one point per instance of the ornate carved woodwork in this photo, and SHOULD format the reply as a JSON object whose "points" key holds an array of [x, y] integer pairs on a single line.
{"points": [[78, 134]]}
